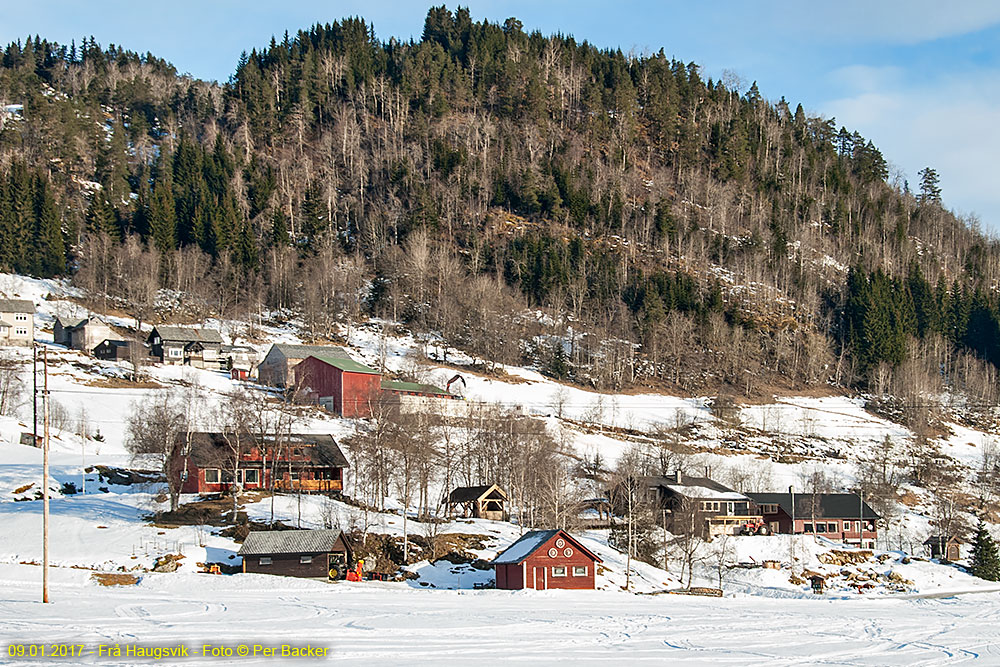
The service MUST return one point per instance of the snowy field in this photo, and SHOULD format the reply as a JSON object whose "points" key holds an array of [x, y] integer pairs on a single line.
{"points": [[392, 624]]}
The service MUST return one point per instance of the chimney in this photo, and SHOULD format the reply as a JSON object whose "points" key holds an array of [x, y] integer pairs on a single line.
{"points": [[677, 477]]}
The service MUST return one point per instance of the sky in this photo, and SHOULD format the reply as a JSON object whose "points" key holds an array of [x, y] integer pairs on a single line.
{"points": [[920, 78]]}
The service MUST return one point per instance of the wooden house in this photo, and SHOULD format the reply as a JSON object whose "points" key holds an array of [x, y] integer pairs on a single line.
{"points": [[840, 517], [944, 548], [696, 505], [207, 463], [119, 350], [314, 554], [343, 386], [17, 322], [544, 559], [277, 368], [480, 502], [185, 345], [81, 333]]}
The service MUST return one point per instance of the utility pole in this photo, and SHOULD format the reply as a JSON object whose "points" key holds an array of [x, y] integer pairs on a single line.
{"points": [[45, 483], [34, 394]]}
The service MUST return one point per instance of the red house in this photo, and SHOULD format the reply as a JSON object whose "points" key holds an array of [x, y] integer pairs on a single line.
{"points": [[840, 517], [343, 386], [544, 559], [207, 463]]}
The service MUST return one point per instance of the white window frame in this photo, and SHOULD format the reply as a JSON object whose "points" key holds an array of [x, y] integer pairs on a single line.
{"points": [[174, 352], [579, 570], [556, 572], [255, 473], [305, 560], [265, 560], [20, 317], [21, 331], [215, 472]]}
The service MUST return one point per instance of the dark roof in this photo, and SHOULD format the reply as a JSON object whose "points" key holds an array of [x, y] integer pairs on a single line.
{"points": [[70, 322], [188, 334], [347, 365], [17, 306], [831, 505], [111, 342], [302, 351], [414, 387], [290, 542], [465, 494], [322, 449], [531, 542], [941, 539]]}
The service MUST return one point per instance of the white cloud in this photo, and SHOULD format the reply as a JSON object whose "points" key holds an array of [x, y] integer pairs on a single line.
{"points": [[949, 124]]}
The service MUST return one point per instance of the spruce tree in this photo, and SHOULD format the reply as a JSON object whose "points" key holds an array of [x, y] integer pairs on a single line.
{"points": [[985, 559]]}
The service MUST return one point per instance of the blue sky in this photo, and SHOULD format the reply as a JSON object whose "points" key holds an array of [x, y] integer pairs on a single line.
{"points": [[920, 78]]}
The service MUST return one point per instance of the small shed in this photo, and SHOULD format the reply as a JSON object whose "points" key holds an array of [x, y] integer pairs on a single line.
{"points": [[313, 554], [944, 548], [544, 559], [480, 502]]}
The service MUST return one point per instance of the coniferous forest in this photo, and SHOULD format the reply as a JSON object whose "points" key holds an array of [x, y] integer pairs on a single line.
{"points": [[617, 220]]}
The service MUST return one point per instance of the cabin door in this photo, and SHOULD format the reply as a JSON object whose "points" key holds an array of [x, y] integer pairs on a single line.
{"points": [[539, 574]]}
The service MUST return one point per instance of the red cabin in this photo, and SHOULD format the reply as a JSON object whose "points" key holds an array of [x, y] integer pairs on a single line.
{"points": [[544, 559], [343, 386]]}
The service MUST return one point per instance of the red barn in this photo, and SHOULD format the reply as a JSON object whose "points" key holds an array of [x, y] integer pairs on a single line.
{"points": [[344, 386], [544, 559]]}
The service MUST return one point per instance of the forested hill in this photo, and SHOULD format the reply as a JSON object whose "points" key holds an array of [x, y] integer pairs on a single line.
{"points": [[615, 219]]}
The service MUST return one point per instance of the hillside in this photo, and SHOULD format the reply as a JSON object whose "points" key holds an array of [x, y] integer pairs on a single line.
{"points": [[620, 221], [113, 529]]}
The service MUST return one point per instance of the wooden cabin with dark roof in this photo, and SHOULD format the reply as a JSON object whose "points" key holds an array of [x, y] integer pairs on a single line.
{"points": [[479, 502], [544, 559], [185, 345], [313, 554], [309, 462]]}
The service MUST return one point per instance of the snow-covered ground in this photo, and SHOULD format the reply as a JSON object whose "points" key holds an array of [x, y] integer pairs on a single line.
{"points": [[390, 624]]}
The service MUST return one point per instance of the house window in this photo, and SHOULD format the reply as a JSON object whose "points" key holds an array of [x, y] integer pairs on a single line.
{"points": [[807, 528], [265, 560], [20, 331], [558, 570], [294, 476], [156, 340], [211, 476], [251, 477], [769, 508], [579, 571], [305, 560], [174, 352], [710, 506], [21, 317]]}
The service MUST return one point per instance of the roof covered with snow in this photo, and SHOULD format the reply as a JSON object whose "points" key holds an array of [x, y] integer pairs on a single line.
{"points": [[290, 542], [695, 487], [531, 542]]}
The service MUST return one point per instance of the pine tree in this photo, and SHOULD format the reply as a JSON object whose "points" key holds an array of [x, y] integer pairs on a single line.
{"points": [[985, 559], [930, 190]]}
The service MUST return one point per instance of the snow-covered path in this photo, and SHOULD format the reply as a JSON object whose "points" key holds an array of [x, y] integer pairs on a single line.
{"points": [[381, 623]]}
